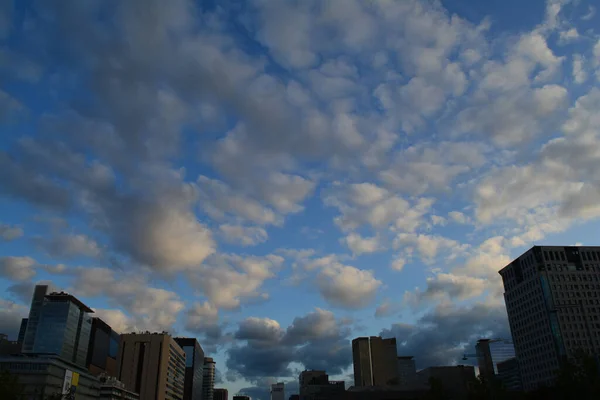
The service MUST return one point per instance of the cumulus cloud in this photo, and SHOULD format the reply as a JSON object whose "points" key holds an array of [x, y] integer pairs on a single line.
{"points": [[243, 235], [360, 245], [11, 314], [347, 286], [67, 246], [317, 340], [8, 232], [17, 268]]}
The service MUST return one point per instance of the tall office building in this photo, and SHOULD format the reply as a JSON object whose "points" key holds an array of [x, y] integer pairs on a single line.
{"points": [[315, 385], [375, 361], [220, 394], [103, 349], [278, 391], [208, 379], [552, 297], [194, 367], [58, 324], [151, 364], [407, 371], [490, 352]]}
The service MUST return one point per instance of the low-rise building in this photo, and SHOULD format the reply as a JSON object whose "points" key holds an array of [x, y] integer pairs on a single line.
{"points": [[43, 376], [456, 380], [315, 385], [112, 389], [407, 371], [241, 397]]}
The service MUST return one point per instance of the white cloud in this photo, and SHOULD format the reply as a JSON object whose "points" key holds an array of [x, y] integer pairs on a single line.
{"points": [[17, 268], [10, 317], [243, 235], [579, 72], [568, 35], [8, 232], [360, 245], [590, 14], [347, 286], [428, 246], [70, 245], [458, 217]]}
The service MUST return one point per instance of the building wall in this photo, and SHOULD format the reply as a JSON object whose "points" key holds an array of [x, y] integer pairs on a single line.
{"points": [[509, 375], [361, 356], [455, 380], [152, 365], [220, 394], [278, 391], [22, 330], [384, 361], [407, 371], [194, 367], [35, 309], [552, 296], [103, 349], [44, 376], [208, 379]]}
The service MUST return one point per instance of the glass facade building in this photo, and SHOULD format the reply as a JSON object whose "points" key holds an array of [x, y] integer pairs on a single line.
{"points": [[194, 368], [103, 349], [58, 324]]}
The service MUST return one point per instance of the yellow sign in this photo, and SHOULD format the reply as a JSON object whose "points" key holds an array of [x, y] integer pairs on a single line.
{"points": [[75, 379]]}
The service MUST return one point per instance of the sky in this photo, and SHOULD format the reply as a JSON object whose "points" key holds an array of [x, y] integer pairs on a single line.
{"points": [[276, 178]]}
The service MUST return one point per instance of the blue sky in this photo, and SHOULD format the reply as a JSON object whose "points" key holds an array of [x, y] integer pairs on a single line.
{"points": [[275, 178]]}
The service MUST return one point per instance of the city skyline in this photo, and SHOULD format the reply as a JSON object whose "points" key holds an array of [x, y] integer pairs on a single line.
{"points": [[277, 178]]}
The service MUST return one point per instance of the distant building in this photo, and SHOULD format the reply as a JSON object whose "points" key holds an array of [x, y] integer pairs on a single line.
{"points": [[22, 330], [407, 371], [315, 385], [552, 296], [375, 361], [9, 347], [194, 367], [388, 392], [103, 349], [220, 394], [490, 352], [43, 376], [208, 379], [278, 391], [455, 380], [151, 364], [58, 324], [509, 375], [113, 389], [241, 397]]}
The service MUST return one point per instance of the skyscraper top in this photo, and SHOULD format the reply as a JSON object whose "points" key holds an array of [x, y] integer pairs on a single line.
{"points": [[62, 296]]}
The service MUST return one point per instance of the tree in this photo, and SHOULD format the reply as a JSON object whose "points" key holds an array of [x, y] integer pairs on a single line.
{"points": [[10, 389]]}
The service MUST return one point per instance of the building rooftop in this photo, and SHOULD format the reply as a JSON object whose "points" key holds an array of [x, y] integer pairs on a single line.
{"points": [[62, 296]]}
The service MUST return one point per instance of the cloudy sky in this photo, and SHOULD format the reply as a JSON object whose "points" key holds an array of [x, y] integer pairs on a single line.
{"points": [[277, 177]]}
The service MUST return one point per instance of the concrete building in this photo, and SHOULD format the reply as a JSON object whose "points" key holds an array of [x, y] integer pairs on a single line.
{"points": [[45, 375], [315, 385], [58, 324], [220, 394], [194, 367], [456, 380], [208, 379], [113, 389], [278, 391], [375, 361], [552, 296], [407, 371], [509, 375], [103, 349], [490, 352], [151, 364]]}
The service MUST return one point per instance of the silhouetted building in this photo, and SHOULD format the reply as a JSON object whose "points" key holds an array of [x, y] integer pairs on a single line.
{"points": [[552, 299], [22, 330], [407, 371], [294, 397], [455, 380], [509, 375], [315, 385], [194, 367], [103, 349], [375, 361], [44, 376], [220, 394], [241, 397], [151, 364], [58, 324], [278, 391], [388, 392], [489, 353], [208, 379]]}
